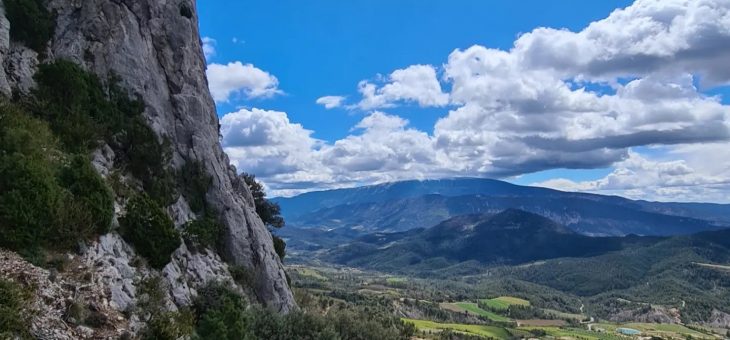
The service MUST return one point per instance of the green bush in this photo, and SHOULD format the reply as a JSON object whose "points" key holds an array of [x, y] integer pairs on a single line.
{"points": [[241, 275], [82, 112], [14, 319], [223, 314], [30, 23], [90, 191], [72, 101], [269, 211], [44, 203], [195, 183], [29, 192], [279, 246], [162, 324], [29, 197], [148, 228], [202, 232]]}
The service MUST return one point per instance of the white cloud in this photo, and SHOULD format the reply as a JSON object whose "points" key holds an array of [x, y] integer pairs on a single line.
{"points": [[236, 78], [557, 99], [685, 178], [330, 102], [416, 83], [208, 47], [267, 144]]}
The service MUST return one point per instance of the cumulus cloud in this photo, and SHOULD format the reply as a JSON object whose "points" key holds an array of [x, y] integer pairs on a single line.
{"points": [[330, 102], [416, 83], [208, 47], [267, 144], [556, 99], [237, 78], [681, 179], [532, 108]]}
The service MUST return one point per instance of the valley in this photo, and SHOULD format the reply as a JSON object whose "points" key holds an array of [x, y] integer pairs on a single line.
{"points": [[441, 308], [516, 271]]}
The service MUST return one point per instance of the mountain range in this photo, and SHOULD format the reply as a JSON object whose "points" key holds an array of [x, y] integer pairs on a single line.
{"points": [[406, 205]]}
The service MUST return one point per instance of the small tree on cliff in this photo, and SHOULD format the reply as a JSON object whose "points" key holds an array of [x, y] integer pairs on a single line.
{"points": [[269, 212]]}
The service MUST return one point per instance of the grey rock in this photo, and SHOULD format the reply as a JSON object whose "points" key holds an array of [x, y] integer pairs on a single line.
{"points": [[157, 53], [20, 65], [111, 258], [4, 48], [189, 271]]}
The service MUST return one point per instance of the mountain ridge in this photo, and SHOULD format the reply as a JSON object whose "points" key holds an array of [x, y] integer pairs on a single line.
{"points": [[411, 204]]}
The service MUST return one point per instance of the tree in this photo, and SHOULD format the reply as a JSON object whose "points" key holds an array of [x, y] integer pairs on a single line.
{"points": [[269, 212]]}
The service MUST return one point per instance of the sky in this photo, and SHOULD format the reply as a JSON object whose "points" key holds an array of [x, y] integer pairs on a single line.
{"points": [[612, 97]]}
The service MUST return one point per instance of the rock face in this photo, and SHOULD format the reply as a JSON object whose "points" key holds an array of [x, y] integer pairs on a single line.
{"points": [[155, 50]]}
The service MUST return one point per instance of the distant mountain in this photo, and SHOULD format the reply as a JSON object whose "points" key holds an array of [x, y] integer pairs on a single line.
{"points": [[509, 237], [406, 205]]}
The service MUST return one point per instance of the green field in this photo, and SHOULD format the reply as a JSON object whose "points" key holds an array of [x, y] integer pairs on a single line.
{"points": [[573, 333], [503, 302], [563, 315], [311, 273], [474, 309], [662, 330], [481, 330], [396, 280]]}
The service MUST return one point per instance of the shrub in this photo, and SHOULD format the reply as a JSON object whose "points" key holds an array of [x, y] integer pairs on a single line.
{"points": [[195, 183], [29, 197], [30, 23], [279, 246], [221, 313], [162, 324], [270, 212], [14, 320], [71, 100], [186, 11], [90, 191], [148, 228], [73, 223], [169, 325], [40, 205], [241, 275], [29, 193], [82, 112], [202, 232]]}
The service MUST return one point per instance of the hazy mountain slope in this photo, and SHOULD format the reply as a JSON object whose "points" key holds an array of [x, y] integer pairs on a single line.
{"points": [[587, 216], [509, 237]]}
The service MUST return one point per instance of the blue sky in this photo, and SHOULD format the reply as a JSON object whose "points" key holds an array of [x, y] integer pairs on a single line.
{"points": [[323, 47], [300, 51]]}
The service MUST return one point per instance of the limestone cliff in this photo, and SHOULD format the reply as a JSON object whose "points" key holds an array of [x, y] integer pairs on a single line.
{"points": [[154, 48]]}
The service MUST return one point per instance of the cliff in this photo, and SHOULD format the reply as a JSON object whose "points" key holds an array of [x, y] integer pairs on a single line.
{"points": [[154, 50]]}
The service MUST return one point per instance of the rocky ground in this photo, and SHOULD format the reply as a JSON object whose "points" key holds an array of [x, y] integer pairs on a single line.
{"points": [[63, 296]]}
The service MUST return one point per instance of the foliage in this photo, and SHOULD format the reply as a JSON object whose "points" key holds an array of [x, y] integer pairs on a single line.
{"points": [[14, 321], [29, 192], [148, 228], [241, 275], [30, 23], [44, 203], [161, 324], [279, 246], [82, 112], [270, 212], [203, 232], [186, 11], [91, 192], [223, 314], [195, 183]]}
